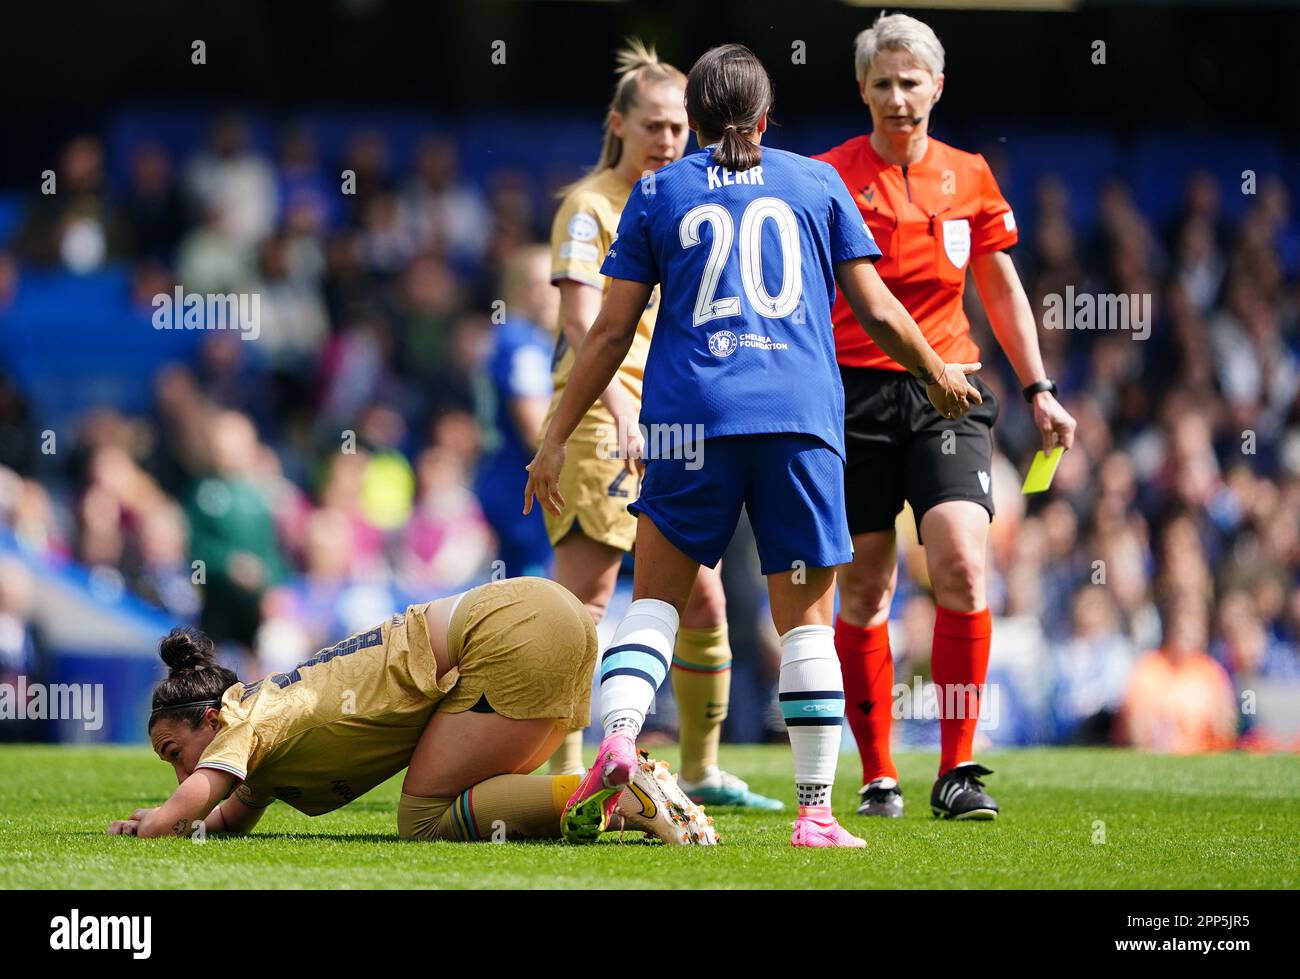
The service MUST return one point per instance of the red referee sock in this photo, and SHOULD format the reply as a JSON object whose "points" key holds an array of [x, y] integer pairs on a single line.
{"points": [[868, 669], [960, 657]]}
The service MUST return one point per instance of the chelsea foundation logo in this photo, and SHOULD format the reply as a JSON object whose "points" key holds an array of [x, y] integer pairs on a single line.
{"points": [[722, 343]]}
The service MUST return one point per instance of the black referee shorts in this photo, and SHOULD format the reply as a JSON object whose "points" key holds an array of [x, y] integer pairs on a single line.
{"points": [[900, 448]]}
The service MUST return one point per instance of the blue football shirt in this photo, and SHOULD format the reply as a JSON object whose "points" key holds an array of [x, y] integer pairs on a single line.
{"points": [[744, 343], [517, 366]]}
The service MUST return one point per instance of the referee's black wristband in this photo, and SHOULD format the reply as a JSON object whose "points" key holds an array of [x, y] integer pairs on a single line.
{"points": [[1038, 387]]}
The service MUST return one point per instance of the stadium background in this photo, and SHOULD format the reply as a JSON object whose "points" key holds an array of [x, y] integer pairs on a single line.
{"points": [[1127, 177]]}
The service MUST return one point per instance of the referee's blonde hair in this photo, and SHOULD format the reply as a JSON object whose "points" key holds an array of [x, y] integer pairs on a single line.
{"points": [[898, 32]]}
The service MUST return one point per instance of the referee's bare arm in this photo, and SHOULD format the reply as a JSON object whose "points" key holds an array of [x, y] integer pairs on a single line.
{"points": [[892, 328]]}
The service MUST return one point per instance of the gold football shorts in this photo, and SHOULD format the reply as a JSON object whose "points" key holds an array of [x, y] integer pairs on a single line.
{"points": [[527, 646], [596, 492]]}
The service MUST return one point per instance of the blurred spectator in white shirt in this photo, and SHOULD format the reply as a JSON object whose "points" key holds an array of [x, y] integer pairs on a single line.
{"points": [[234, 181]]}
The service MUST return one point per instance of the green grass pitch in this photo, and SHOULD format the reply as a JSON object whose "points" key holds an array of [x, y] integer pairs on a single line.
{"points": [[1072, 818]]}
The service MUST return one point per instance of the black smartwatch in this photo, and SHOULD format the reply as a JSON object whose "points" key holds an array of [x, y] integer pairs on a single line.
{"points": [[1038, 387]]}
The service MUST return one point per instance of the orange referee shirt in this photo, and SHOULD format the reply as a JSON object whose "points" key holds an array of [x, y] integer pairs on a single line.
{"points": [[928, 219]]}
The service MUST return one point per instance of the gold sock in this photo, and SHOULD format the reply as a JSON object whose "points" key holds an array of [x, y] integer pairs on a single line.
{"points": [[702, 687], [496, 809], [567, 759]]}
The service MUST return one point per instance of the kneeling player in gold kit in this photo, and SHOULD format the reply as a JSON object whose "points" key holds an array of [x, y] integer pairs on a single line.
{"points": [[471, 692]]}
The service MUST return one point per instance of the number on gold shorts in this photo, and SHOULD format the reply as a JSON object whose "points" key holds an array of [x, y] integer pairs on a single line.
{"points": [[616, 487]]}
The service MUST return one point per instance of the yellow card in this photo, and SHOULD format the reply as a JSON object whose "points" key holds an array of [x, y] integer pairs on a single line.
{"points": [[1041, 471]]}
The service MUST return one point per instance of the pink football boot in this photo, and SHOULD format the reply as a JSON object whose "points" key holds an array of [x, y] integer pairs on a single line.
{"points": [[586, 814], [815, 826]]}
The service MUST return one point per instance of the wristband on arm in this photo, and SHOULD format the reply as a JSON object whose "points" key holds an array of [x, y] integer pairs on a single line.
{"points": [[1038, 387]]}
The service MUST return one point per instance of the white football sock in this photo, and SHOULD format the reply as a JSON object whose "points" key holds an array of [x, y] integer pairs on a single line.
{"points": [[812, 701], [635, 664]]}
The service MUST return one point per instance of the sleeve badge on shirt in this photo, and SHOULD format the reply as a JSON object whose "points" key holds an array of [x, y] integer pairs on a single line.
{"points": [[580, 251], [1009, 221], [583, 227]]}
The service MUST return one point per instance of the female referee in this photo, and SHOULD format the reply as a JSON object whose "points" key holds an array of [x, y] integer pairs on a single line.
{"points": [[933, 210], [747, 245], [468, 691], [645, 129]]}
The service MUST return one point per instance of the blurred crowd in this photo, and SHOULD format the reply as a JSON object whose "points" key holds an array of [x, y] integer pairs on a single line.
{"points": [[287, 491], [1159, 578]]}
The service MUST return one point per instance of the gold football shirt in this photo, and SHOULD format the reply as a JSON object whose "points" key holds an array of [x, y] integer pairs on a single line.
{"points": [[336, 725], [584, 229]]}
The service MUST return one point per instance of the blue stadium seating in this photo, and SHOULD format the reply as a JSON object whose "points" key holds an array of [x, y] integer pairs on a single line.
{"points": [[73, 342]]}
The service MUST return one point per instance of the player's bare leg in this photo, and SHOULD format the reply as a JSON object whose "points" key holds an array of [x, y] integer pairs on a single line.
{"points": [[459, 750], [589, 569], [662, 571], [867, 587], [956, 535], [468, 779], [812, 698], [805, 596], [956, 544], [867, 584]]}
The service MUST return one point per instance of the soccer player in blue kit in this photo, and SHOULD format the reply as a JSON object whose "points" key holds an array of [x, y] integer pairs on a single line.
{"points": [[511, 394], [743, 405]]}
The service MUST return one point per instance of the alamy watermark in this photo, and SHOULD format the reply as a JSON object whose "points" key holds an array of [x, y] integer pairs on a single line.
{"points": [[77, 932], [23, 701], [922, 702], [1098, 311], [181, 310], [659, 441]]}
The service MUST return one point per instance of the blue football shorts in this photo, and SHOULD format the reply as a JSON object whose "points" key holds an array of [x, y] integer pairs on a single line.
{"points": [[792, 485]]}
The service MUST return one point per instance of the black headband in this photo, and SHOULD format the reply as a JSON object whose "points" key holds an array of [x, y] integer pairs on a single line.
{"points": [[192, 703]]}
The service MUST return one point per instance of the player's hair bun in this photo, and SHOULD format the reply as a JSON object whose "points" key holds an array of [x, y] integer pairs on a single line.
{"points": [[195, 680], [185, 648]]}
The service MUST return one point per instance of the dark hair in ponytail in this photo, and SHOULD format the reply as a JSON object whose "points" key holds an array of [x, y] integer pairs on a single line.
{"points": [[195, 681], [727, 92]]}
